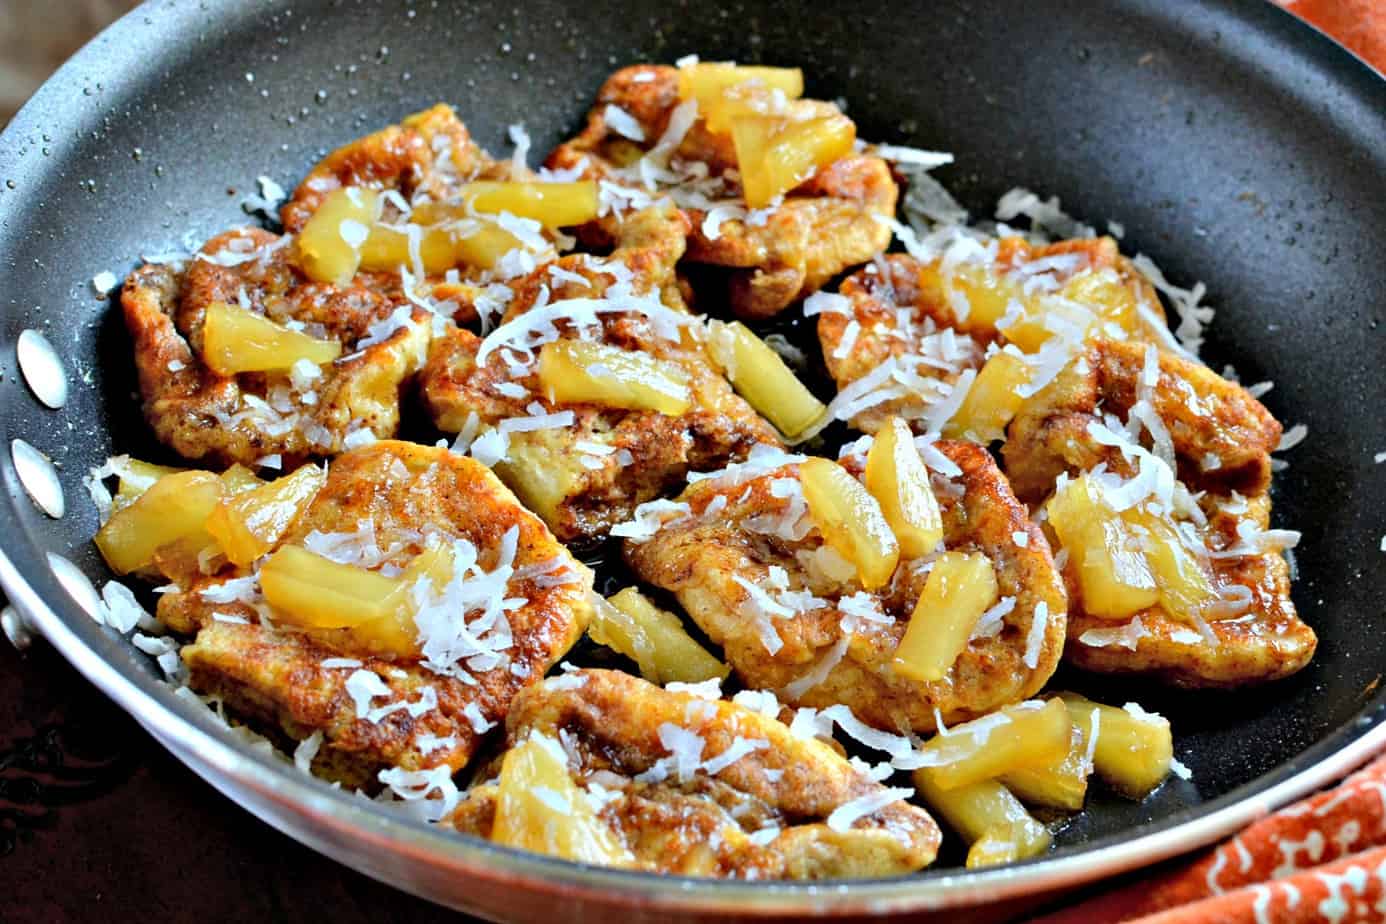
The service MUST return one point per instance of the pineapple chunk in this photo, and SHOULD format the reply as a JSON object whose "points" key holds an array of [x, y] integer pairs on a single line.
{"points": [[314, 592], [329, 246], [850, 520], [1043, 317], [760, 376], [238, 478], [1112, 570], [1062, 784], [360, 609], [989, 818], [706, 81], [540, 808], [554, 205], [725, 90], [992, 400], [987, 293], [1104, 292], [485, 246], [249, 524], [387, 249], [654, 639], [1024, 735], [1134, 747], [959, 589], [136, 477], [896, 477], [235, 339], [747, 99], [1185, 588], [582, 371], [172, 510], [775, 155]]}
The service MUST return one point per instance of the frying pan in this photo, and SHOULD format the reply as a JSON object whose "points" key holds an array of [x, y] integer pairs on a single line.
{"points": [[1234, 144]]}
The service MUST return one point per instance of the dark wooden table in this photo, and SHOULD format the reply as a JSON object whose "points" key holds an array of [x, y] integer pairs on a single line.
{"points": [[99, 823]]}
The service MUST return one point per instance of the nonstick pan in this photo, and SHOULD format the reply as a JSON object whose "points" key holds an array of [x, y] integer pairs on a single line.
{"points": [[1234, 144]]}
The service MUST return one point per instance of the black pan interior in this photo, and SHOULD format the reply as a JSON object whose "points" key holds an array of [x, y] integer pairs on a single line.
{"points": [[1234, 145]]}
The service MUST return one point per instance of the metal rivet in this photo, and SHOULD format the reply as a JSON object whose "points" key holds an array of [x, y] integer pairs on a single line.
{"points": [[39, 477], [16, 629], [42, 368], [77, 584]]}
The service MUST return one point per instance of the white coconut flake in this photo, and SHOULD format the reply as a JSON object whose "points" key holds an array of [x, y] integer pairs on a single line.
{"points": [[1292, 437], [914, 157], [337, 663], [417, 787], [428, 743], [1178, 769], [990, 623], [1127, 636], [102, 283], [739, 748], [305, 752], [827, 303], [363, 686], [121, 611], [479, 723], [1034, 640], [844, 816], [623, 123]]}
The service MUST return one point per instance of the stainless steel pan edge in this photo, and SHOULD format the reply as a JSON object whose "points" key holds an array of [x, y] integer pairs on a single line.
{"points": [[448, 868]]}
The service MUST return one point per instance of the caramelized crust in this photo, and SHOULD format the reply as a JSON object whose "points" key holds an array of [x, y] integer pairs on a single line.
{"points": [[699, 557], [826, 225], [610, 724], [401, 491], [582, 500], [242, 418]]}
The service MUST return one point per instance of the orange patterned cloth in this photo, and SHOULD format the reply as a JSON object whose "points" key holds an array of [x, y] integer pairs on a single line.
{"points": [[1319, 860], [1358, 24]]}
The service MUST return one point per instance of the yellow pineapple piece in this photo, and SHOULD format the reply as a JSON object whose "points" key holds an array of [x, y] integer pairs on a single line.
{"points": [[1111, 565], [708, 82], [329, 246], [235, 339], [653, 638], [170, 511], [554, 205], [1103, 291], [314, 592], [1025, 735], [136, 477], [540, 808], [959, 589], [1134, 747], [992, 400], [850, 520], [775, 155], [250, 523], [987, 292], [238, 478], [388, 248], [897, 478], [484, 247], [1184, 585], [760, 376], [1043, 316], [1062, 784], [586, 372], [988, 817]]}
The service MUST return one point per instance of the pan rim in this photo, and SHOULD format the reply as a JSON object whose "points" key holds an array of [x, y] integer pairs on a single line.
{"points": [[197, 742]]}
